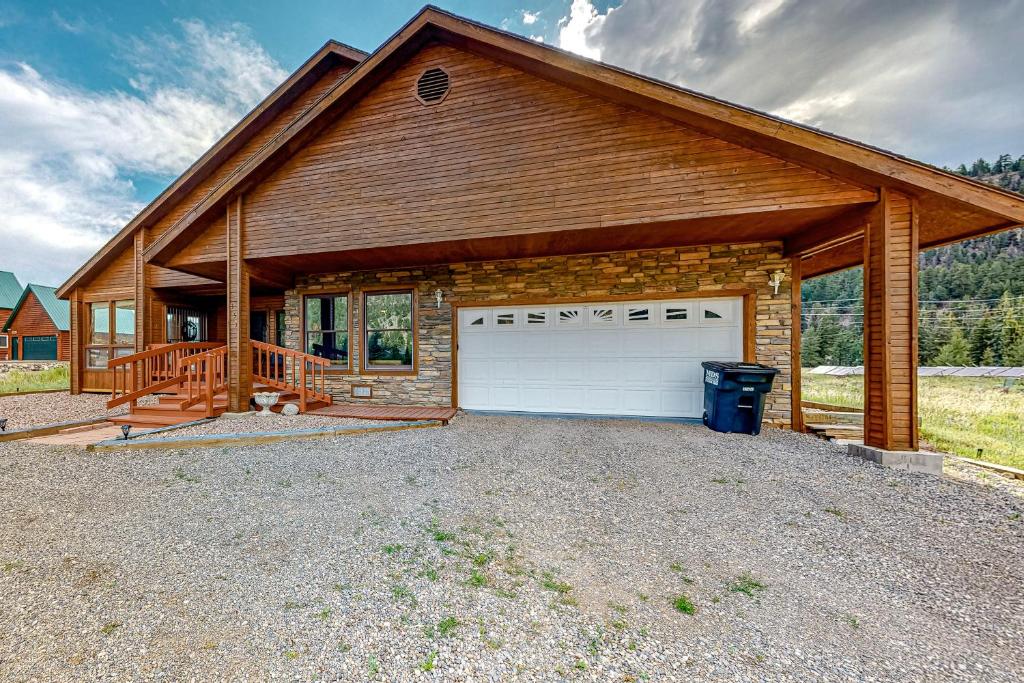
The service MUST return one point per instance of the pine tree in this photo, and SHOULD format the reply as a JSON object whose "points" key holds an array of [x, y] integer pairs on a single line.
{"points": [[984, 336], [1013, 356], [810, 348], [1011, 329], [980, 168], [956, 352]]}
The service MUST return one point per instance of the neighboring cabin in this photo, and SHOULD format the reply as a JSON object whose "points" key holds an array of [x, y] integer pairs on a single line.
{"points": [[10, 290], [38, 326]]}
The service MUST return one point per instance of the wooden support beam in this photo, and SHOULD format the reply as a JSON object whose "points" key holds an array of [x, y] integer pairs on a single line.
{"points": [[890, 324], [277, 279], [239, 363], [829, 233], [795, 310], [833, 259]]}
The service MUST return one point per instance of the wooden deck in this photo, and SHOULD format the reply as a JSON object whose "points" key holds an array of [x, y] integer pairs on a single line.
{"points": [[381, 412]]}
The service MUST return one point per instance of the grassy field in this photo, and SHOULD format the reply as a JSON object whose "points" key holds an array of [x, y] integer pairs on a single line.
{"points": [[18, 381], [958, 414]]}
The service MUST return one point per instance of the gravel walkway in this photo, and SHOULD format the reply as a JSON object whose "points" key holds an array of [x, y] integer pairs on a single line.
{"points": [[255, 422], [506, 548]]}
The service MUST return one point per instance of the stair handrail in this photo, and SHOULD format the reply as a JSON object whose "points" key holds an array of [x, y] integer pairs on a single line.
{"points": [[203, 376], [293, 371], [140, 374]]}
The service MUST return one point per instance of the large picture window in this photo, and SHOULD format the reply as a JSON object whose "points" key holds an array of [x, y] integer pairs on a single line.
{"points": [[111, 332], [388, 341], [326, 319]]}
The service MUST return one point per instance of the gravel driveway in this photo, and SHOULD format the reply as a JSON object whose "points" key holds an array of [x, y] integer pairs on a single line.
{"points": [[30, 410], [506, 548]]}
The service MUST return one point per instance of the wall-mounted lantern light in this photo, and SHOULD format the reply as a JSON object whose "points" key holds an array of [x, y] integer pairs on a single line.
{"points": [[439, 296], [776, 279]]}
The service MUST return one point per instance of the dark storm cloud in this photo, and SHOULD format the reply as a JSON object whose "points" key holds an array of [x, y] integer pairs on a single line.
{"points": [[938, 80]]}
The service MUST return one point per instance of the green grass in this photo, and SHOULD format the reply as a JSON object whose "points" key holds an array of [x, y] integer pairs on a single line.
{"points": [[959, 415], [447, 626], [747, 585], [18, 381], [684, 604]]}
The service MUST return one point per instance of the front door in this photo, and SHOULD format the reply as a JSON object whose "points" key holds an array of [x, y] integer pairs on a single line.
{"points": [[14, 349], [258, 326], [279, 328]]}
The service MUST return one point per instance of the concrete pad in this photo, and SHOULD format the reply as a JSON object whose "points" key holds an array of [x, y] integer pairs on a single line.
{"points": [[80, 437], [911, 461]]}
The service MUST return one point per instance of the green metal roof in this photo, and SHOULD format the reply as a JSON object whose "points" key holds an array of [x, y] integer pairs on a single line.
{"points": [[10, 289], [58, 309]]}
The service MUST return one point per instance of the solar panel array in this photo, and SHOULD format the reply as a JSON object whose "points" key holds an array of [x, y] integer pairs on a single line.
{"points": [[939, 371]]}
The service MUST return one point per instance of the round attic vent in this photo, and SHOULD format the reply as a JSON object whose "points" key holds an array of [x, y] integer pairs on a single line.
{"points": [[433, 86]]}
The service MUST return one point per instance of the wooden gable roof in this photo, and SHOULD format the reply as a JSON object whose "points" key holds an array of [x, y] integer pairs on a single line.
{"points": [[302, 79], [952, 207]]}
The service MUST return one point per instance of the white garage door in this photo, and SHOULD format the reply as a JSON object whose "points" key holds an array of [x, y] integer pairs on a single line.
{"points": [[622, 358]]}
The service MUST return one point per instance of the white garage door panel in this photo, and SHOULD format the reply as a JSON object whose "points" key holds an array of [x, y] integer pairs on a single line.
{"points": [[633, 358]]}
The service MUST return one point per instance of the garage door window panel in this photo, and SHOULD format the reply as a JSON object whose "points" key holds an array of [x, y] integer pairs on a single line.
{"points": [[678, 314], [717, 312]]}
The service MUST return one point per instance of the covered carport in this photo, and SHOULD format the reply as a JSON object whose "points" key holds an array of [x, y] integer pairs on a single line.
{"points": [[885, 238]]}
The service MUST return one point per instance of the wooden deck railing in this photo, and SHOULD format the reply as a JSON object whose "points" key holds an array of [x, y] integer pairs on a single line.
{"points": [[145, 373], [290, 370], [204, 375]]}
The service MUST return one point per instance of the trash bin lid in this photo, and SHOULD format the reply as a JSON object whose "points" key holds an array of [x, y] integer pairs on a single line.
{"points": [[733, 366]]}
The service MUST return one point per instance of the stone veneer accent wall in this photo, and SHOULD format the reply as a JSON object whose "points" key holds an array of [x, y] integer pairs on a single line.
{"points": [[684, 269]]}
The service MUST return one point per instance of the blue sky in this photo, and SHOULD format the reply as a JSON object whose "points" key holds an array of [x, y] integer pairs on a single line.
{"points": [[103, 103]]}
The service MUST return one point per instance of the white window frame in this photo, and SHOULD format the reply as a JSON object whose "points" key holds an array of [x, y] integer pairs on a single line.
{"points": [[5, 342]]}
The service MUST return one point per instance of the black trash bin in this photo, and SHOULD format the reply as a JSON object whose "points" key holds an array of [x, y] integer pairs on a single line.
{"points": [[734, 395]]}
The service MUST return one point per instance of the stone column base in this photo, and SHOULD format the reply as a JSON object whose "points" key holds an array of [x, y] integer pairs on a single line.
{"points": [[911, 461]]}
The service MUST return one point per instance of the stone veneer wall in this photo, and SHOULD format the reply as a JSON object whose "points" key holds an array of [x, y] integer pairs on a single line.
{"points": [[683, 269]]}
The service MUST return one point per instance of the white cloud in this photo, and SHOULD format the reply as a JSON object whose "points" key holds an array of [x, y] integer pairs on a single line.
{"points": [[583, 19], [756, 13], [530, 18], [68, 155]]}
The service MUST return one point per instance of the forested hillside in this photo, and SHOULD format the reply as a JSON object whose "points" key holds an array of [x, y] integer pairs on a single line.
{"points": [[971, 297]]}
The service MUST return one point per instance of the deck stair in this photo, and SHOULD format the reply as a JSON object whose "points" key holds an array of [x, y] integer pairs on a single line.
{"points": [[835, 423], [185, 382]]}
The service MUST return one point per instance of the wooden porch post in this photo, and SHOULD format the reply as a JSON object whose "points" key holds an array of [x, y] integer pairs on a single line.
{"points": [[140, 291], [796, 310], [239, 365], [75, 365], [890, 324]]}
